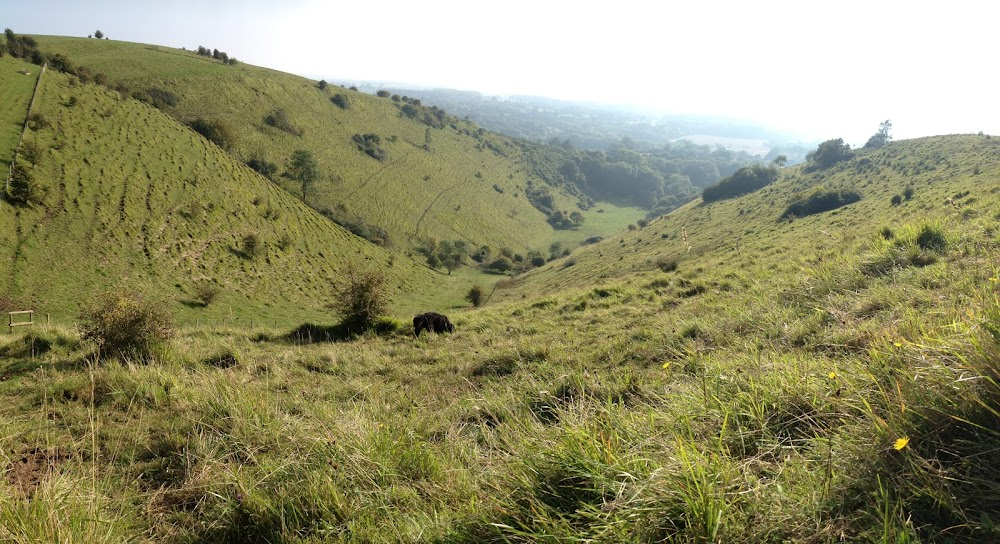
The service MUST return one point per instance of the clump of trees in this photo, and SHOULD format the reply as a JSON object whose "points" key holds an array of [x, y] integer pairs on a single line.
{"points": [[828, 154], [26, 47], [160, 99], [217, 131], [369, 145], [881, 138], [449, 254], [745, 180], [220, 56]]}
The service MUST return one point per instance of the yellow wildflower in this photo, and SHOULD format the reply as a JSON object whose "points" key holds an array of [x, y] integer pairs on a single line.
{"points": [[832, 375], [901, 443], [666, 365]]}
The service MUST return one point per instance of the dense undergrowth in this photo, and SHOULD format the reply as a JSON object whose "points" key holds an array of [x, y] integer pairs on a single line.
{"points": [[855, 399]]}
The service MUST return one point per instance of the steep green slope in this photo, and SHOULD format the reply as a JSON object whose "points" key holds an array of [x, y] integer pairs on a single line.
{"points": [[131, 197], [944, 175], [15, 93], [440, 183]]}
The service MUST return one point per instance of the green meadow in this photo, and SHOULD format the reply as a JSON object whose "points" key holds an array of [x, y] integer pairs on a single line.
{"points": [[15, 93]]}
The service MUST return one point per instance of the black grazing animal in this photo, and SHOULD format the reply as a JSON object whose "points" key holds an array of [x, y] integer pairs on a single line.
{"points": [[432, 322]]}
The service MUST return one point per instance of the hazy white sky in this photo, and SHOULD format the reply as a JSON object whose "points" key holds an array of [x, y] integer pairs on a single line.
{"points": [[820, 69]]}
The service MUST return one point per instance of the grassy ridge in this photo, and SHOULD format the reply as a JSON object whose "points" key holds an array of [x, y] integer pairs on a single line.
{"points": [[15, 94], [949, 177], [131, 197], [436, 182]]}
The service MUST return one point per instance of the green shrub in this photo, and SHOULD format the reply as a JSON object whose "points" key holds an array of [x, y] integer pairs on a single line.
{"points": [[37, 121], [217, 131], [206, 292], [896, 200], [475, 295], [340, 100], [250, 246], [361, 299], [820, 200], [126, 324], [666, 264]]}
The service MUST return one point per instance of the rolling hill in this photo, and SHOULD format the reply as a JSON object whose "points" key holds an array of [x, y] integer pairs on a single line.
{"points": [[445, 179], [814, 361], [946, 177], [129, 196]]}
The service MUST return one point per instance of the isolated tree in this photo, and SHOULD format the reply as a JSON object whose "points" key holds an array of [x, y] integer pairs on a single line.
{"points": [[304, 169], [98, 34], [321, 84], [882, 137], [779, 161], [501, 265], [383, 94]]}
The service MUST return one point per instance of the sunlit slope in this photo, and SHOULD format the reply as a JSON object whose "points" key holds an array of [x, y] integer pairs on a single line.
{"points": [[435, 182], [15, 93], [130, 197], [949, 178]]}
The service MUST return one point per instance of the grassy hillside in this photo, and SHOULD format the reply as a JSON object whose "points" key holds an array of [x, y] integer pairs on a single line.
{"points": [[824, 380], [129, 197], [948, 178], [442, 183], [15, 93]]}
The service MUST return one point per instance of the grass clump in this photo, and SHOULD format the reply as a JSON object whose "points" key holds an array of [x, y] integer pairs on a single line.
{"points": [[126, 324]]}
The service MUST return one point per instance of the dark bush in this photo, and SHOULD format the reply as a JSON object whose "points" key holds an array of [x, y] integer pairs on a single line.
{"points": [[23, 189], [162, 99], [279, 119], [820, 200], [932, 238], [745, 180], [37, 121], [908, 193], [340, 100], [383, 94], [322, 84], [217, 131], [262, 166], [125, 324], [250, 246], [896, 200], [369, 144], [666, 264], [501, 265], [476, 293]]}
